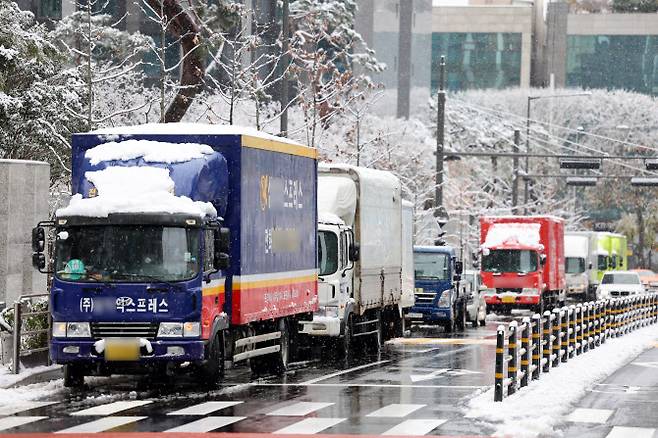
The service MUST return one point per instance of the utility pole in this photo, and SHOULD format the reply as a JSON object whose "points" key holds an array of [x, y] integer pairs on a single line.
{"points": [[439, 210], [527, 160], [285, 48], [515, 166]]}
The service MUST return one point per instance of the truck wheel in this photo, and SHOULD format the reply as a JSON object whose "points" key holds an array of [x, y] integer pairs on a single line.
{"points": [[73, 376], [450, 325], [281, 359], [348, 338], [213, 369], [482, 316]]}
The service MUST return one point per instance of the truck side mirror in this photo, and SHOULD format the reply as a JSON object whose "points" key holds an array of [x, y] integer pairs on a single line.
{"points": [[591, 265], [459, 267], [354, 252], [221, 258], [38, 239], [39, 261], [542, 259]]}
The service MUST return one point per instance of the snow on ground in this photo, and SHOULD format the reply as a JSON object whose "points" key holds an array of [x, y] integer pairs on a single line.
{"points": [[14, 397], [7, 378], [538, 408]]}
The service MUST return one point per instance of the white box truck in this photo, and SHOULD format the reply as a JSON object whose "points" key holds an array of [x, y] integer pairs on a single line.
{"points": [[360, 256], [577, 263]]}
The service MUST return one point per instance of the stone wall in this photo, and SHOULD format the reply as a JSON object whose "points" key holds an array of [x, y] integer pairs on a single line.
{"points": [[24, 187]]}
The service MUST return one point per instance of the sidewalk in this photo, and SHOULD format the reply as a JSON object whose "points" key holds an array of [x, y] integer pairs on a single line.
{"points": [[29, 376], [623, 405]]}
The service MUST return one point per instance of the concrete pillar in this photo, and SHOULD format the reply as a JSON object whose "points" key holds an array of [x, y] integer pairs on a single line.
{"points": [[526, 53], [556, 43], [24, 187]]}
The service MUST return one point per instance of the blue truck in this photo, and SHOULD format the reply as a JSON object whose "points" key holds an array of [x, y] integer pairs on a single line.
{"points": [[438, 289], [184, 246]]}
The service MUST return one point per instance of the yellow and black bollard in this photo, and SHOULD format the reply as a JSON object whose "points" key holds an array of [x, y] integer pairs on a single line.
{"points": [[546, 351], [572, 331], [536, 346], [512, 365], [525, 351], [597, 323], [579, 329], [500, 358], [564, 334], [555, 337]]}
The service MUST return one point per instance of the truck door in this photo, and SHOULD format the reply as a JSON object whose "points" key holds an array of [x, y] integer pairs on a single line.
{"points": [[346, 266]]}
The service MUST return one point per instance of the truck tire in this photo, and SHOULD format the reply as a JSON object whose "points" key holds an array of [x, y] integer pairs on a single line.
{"points": [[450, 325], [483, 320], [73, 376], [212, 371], [281, 359], [348, 339]]}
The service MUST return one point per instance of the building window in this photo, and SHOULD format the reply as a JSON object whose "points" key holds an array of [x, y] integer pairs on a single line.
{"points": [[477, 60], [627, 62], [50, 9]]}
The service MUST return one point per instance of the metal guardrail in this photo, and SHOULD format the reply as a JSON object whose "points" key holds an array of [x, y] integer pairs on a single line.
{"points": [[18, 331], [557, 336]]}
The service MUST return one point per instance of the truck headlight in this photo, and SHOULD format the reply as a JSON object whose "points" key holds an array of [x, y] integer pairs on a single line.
{"points": [[328, 311], [78, 330], [444, 299], [192, 329], [530, 291], [170, 330], [59, 329]]}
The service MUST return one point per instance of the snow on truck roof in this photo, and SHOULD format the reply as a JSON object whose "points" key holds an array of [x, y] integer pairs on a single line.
{"points": [[150, 151], [524, 218], [250, 137], [513, 234], [144, 189]]}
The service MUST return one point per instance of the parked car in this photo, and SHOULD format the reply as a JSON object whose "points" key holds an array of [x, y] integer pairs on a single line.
{"points": [[617, 284], [476, 307], [648, 278]]}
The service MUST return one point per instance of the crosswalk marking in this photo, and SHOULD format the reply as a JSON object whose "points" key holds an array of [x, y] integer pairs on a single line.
{"points": [[415, 427], [631, 432], [101, 425], [23, 406], [581, 415], [112, 408], [205, 408], [310, 426], [9, 422], [206, 424], [299, 409], [395, 410]]}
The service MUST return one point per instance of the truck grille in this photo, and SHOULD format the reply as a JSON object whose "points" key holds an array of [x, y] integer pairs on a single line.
{"points": [[425, 297], [513, 290], [615, 293], [124, 330]]}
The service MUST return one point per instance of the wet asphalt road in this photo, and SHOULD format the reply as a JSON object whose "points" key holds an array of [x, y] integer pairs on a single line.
{"points": [[415, 386]]}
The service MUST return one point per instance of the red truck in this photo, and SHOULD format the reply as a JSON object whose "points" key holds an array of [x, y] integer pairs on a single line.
{"points": [[523, 262]]}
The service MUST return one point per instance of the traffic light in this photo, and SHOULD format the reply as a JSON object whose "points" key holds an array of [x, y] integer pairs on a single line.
{"points": [[651, 163], [579, 163], [639, 181]]}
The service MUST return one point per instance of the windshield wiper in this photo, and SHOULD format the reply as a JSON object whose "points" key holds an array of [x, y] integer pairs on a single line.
{"points": [[151, 278]]}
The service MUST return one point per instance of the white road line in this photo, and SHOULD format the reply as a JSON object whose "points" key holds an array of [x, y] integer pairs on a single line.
{"points": [[347, 371], [414, 427], [101, 425], [631, 432], [205, 408], [395, 410], [112, 408], [299, 409], [23, 406], [367, 385], [9, 422], [206, 424], [310, 426], [581, 415]]}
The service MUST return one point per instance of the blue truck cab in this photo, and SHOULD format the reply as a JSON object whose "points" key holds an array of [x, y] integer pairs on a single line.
{"points": [[439, 298]]}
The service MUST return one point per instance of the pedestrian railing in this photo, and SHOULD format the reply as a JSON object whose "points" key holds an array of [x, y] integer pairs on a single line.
{"points": [[553, 338], [19, 333]]}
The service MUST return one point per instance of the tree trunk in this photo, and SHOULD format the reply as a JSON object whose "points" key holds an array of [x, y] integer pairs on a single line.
{"points": [[182, 25]]}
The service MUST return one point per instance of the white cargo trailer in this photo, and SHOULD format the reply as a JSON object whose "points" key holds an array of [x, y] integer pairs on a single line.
{"points": [[360, 255]]}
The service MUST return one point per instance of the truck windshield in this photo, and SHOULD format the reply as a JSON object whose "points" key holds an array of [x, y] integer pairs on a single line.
{"points": [[127, 253], [431, 266], [327, 252], [574, 265], [510, 260], [602, 262]]}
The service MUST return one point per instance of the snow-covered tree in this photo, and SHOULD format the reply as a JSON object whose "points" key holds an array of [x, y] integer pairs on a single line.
{"points": [[38, 94]]}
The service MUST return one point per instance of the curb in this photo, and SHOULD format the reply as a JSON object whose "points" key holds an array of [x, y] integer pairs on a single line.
{"points": [[53, 373]]}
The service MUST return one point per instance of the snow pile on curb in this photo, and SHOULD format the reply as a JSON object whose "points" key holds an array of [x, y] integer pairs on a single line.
{"points": [[150, 151], [538, 408], [134, 190]]}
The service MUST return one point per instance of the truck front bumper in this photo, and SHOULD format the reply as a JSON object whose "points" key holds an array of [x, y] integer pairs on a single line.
{"points": [[428, 314], [576, 290], [67, 350], [512, 300], [321, 326]]}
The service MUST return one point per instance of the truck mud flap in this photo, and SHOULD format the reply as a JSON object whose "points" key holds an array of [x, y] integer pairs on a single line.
{"points": [[251, 341]]}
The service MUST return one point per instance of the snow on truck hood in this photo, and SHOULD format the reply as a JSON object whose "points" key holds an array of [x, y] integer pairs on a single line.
{"points": [[513, 235], [124, 182]]}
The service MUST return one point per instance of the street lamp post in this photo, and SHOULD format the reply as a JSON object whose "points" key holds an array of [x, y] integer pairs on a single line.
{"points": [[527, 139]]}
